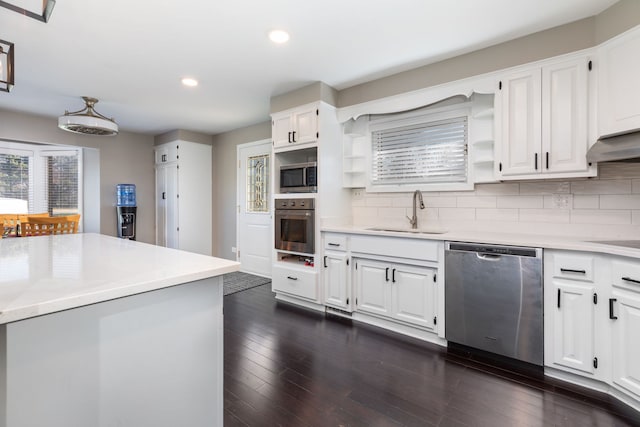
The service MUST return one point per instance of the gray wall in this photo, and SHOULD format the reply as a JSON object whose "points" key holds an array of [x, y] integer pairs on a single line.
{"points": [[224, 184], [545, 44], [125, 158]]}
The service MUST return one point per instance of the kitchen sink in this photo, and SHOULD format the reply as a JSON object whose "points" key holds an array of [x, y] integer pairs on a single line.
{"points": [[408, 230]]}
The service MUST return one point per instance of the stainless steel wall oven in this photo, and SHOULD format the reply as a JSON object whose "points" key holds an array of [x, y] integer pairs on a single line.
{"points": [[295, 225]]}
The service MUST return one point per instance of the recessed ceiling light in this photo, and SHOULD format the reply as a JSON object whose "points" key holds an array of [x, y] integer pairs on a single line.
{"points": [[187, 81], [279, 36]]}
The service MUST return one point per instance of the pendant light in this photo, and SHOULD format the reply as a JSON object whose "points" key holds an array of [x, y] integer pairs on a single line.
{"points": [[6, 66], [88, 121]]}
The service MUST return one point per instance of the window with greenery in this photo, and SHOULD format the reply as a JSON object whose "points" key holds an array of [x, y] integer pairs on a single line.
{"points": [[15, 189], [38, 178]]}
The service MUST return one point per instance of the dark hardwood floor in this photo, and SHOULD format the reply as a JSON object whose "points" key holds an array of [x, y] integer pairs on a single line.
{"points": [[286, 366]]}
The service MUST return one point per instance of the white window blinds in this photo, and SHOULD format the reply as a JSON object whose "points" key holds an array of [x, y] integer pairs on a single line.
{"points": [[60, 182], [423, 153]]}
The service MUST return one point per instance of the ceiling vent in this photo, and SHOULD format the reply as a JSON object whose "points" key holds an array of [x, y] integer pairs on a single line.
{"points": [[88, 121]]}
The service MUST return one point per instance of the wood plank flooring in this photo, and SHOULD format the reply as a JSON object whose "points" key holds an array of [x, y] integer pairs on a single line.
{"points": [[286, 366]]}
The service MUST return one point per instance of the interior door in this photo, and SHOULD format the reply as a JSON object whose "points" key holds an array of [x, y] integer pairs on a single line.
{"points": [[254, 241]]}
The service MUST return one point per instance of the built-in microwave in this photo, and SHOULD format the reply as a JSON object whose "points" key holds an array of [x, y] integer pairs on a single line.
{"points": [[299, 178]]}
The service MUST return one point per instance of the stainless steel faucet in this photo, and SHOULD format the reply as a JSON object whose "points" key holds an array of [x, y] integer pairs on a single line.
{"points": [[414, 219]]}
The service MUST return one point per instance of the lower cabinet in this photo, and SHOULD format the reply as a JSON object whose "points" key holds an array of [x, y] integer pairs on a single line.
{"points": [[401, 292], [335, 278], [592, 319], [625, 311], [573, 326], [571, 302], [295, 282]]}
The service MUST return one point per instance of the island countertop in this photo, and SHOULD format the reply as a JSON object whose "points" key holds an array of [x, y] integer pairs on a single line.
{"points": [[47, 274]]}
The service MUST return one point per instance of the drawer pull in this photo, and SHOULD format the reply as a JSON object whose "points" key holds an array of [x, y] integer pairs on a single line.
{"points": [[629, 279], [611, 316], [570, 270], [292, 278], [334, 244]]}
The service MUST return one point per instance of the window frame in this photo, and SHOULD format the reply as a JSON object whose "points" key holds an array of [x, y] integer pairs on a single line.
{"points": [[38, 154], [415, 117]]}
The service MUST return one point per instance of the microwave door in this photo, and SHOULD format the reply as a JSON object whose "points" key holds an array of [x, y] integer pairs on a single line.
{"points": [[292, 178]]}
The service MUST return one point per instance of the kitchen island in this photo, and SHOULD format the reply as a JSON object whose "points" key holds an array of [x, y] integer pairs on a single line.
{"points": [[99, 331]]}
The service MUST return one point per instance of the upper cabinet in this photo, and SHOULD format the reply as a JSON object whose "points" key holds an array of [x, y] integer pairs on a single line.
{"points": [[619, 85], [296, 127], [542, 122]]}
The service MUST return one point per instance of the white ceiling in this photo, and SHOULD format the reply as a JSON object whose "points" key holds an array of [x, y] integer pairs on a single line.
{"points": [[131, 55]]}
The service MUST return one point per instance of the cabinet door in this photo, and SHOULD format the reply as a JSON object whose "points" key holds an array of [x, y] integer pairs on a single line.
{"points": [[414, 295], [167, 205], [373, 287], [520, 137], [335, 278], [305, 125], [282, 128], [626, 342], [166, 153], [618, 84], [564, 116], [572, 311]]}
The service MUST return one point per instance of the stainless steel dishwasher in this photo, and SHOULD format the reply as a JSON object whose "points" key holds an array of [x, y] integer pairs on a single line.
{"points": [[493, 299]]}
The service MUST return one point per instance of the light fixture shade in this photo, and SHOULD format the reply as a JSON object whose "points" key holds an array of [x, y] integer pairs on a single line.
{"points": [[88, 121], [7, 68]]}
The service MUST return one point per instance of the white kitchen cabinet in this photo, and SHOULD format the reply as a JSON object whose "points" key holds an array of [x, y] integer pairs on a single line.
{"points": [[401, 292], [183, 196], [373, 291], [542, 127], [414, 295], [624, 319], [573, 341], [625, 340], [292, 128], [335, 273], [618, 84], [296, 281]]}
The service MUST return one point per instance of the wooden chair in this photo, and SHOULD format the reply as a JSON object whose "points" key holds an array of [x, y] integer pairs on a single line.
{"points": [[40, 226], [9, 223]]}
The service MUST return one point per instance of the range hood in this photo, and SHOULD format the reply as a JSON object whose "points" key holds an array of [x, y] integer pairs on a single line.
{"points": [[619, 147]]}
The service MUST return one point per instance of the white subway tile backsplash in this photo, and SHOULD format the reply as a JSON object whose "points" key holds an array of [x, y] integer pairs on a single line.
{"points": [[601, 216], [607, 186], [608, 201], [586, 201], [520, 202], [544, 188], [498, 189], [511, 215], [477, 202], [545, 215], [457, 213], [608, 206], [441, 201]]}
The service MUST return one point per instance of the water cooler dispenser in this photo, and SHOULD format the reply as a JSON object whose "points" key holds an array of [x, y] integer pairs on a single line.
{"points": [[126, 211]]}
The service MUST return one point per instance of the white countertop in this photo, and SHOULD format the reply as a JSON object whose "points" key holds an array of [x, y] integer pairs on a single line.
{"points": [[515, 239], [46, 274]]}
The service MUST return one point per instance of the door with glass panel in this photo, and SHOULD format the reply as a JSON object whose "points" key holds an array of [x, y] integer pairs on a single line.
{"points": [[255, 244]]}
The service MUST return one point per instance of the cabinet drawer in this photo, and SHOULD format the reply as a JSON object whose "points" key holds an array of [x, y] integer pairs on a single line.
{"points": [[295, 282], [426, 250], [573, 266], [336, 242], [626, 274]]}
